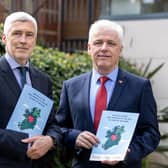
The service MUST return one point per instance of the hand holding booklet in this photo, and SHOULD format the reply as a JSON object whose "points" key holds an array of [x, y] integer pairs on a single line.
{"points": [[31, 112], [115, 132]]}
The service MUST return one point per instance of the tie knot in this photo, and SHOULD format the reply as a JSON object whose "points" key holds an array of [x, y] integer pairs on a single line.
{"points": [[22, 69], [103, 79]]}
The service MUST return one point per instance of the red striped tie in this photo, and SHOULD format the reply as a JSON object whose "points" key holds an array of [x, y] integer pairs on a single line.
{"points": [[101, 101]]}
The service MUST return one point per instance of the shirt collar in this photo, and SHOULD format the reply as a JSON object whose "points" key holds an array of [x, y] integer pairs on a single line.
{"points": [[112, 75], [13, 64]]}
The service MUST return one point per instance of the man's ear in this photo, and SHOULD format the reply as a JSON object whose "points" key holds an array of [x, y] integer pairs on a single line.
{"points": [[3, 38], [121, 49]]}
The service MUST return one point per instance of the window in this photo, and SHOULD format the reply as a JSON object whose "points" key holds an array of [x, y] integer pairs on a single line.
{"points": [[133, 8]]}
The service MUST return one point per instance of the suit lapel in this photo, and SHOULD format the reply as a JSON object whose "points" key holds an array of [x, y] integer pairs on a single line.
{"points": [[118, 89], [86, 94], [34, 78], [9, 77]]}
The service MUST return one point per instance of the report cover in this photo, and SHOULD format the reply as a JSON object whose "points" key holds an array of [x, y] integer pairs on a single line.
{"points": [[115, 132], [31, 112]]}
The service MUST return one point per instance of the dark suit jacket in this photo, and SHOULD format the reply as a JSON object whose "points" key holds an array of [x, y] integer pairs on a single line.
{"points": [[12, 151], [133, 94]]}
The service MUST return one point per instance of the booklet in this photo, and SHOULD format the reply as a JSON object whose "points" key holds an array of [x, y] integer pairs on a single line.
{"points": [[31, 112], [115, 132]]}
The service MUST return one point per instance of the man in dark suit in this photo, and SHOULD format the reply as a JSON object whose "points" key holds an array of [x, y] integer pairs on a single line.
{"points": [[125, 92], [17, 150]]}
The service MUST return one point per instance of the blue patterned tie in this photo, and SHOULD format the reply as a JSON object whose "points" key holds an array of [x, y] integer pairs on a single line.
{"points": [[22, 71]]}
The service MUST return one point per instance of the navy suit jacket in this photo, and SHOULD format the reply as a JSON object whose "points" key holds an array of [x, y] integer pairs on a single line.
{"points": [[12, 151], [133, 94]]}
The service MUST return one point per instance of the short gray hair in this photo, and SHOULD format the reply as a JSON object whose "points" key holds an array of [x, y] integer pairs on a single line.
{"points": [[105, 24], [18, 16]]}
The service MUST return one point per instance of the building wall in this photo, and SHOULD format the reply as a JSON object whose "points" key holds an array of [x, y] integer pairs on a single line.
{"points": [[145, 39], [77, 17], [49, 16], [62, 23], [47, 13]]}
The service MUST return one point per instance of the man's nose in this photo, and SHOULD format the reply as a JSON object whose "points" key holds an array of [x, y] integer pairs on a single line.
{"points": [[23, 38], [104, 46]]}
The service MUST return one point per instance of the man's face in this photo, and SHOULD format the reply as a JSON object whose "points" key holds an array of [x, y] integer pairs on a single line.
{"points": [[20, 40], [105, 49]]}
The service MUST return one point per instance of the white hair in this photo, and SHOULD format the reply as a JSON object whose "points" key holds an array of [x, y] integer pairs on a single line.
{"points": [[105, 25], [18, 16]]}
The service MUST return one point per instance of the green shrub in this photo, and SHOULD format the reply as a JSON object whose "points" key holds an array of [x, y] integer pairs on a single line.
{"points": [[1, 45], [60, 66]]}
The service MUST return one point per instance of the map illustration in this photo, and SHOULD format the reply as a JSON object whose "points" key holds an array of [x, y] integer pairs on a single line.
{"points": [[113, 137]]}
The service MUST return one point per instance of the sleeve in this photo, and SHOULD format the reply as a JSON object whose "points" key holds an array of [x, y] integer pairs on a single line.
{"points": [[147, 136], [11, 145], [64, 120], [52, 129]]}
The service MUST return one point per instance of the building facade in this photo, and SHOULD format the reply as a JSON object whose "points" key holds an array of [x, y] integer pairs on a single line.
{"points": [[62, 23]]}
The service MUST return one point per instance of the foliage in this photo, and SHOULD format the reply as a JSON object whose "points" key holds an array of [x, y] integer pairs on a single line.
{"points": [[145, 71], [1, 45], [149, 74], [60, 66], [163, 115], [127, 65]]}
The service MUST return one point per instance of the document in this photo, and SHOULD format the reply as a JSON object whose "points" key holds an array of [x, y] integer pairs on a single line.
{"points": [[31, 112], [115, 132]]}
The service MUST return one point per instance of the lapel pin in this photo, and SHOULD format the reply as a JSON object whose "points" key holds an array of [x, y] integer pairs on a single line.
{"points": [[120, 81]]}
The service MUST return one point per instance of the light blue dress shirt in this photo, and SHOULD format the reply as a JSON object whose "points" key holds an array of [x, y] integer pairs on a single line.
{"points": [[13, 64], [95, 83]]}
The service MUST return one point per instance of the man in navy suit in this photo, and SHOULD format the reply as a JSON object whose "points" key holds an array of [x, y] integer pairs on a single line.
{"points": [[125, 92], [17, 150]]}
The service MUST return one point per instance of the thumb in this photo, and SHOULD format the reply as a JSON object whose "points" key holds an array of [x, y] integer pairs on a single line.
{"points": [[29, 140]]}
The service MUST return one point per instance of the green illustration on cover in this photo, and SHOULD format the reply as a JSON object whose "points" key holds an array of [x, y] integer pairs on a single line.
{"points": [[113, 137], [30, 118]]}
